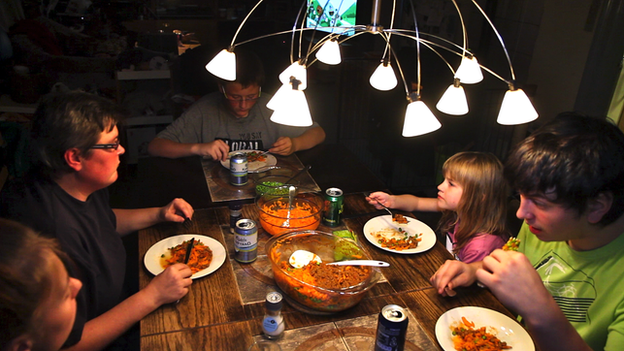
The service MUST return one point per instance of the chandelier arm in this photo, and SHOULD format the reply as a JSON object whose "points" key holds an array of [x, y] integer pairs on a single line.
{"points": [[243, 23], [396, 60], [294, 32], [270, 35], [500, 39], [464, 34], [429, 44]]}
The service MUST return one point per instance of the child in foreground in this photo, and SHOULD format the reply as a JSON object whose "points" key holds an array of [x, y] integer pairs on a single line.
{"points": [[473, 202], [37, 296]]}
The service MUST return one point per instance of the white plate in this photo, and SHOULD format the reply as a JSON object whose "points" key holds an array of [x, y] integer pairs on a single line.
{"points": [[152, 256], [252, 167], [496, 323], [413, 226]]}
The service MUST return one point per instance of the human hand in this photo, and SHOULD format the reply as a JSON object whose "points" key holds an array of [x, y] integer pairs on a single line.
{"points": [[380, 198], [217, 149], [172, 284], [283, 146], [176, 211], [451, 275], [513, 279]]}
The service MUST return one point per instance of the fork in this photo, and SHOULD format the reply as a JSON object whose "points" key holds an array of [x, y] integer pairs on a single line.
{"points": [[384, 207]]}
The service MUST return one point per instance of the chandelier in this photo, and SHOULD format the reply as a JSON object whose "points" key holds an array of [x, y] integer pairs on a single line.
{"points": [[289, 103]]}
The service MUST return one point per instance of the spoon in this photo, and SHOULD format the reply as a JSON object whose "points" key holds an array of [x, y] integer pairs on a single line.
{"points": [[300, 258], [291, 195], [298, 173]]}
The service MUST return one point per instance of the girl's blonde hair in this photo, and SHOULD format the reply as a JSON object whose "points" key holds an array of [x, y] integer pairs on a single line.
{"points": [[483, 204]]}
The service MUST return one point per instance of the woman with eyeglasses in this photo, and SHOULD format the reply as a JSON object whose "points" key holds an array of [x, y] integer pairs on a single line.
{"points": [[234, 118], [75, 142]]}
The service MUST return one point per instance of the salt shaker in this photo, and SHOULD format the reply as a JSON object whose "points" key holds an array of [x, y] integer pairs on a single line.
{"points": [[273, 322]]}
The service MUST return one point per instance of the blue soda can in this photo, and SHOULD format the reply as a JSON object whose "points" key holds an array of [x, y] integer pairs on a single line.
{"points": [[391, 329], [245, 241], [238, 169]]}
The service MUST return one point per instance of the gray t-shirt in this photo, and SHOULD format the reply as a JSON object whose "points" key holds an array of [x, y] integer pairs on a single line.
{"points": [[209, 119]]}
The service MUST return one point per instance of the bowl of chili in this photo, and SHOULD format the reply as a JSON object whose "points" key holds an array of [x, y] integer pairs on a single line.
{"points": [[321, 287]]}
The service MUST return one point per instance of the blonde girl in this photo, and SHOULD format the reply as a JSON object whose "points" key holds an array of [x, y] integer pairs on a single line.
{"points": [[473, 202], [37, 296]]}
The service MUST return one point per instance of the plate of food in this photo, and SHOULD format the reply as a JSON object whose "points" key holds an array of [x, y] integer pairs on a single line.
{"points": [[255, 160], [206, 257], [404, 235], [482, 327]]}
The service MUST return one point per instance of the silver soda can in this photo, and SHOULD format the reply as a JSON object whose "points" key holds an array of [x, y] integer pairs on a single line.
{"points": [[245, 241], [391, 329], [238, 169]]}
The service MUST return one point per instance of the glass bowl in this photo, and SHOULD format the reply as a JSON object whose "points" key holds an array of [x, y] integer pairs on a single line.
{"points": [[274, 184], [303, 287], [306, 212]]}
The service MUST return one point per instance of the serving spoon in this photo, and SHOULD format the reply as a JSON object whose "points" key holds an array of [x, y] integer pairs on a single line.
{"points": [[291, 195], [300, 258]]}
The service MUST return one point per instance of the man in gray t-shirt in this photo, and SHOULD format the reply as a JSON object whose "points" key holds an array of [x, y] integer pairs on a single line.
{"points": [[235, 118]]}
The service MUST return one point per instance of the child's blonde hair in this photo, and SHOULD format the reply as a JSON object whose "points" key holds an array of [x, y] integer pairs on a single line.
{"points": [[483, 204]]}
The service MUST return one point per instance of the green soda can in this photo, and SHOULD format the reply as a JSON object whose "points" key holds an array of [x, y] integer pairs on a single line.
{"points": [[333, 207]]}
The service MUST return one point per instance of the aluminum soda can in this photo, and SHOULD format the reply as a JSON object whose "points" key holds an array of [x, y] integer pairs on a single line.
{"points": [[238, 169], [333, 207], [245, 241], [391, 329]]}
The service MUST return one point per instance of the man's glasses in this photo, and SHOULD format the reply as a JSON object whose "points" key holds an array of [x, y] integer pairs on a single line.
{"points": [[114, 146], [239, 98]]}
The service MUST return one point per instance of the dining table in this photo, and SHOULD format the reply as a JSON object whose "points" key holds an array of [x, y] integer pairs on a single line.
{"points": [[224, 310]]}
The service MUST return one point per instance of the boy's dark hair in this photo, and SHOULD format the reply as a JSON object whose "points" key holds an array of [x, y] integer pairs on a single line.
{"points": [[574, 157], [249, 69], [70, 120]]}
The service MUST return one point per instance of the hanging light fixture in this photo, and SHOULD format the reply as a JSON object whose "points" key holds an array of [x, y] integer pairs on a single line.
{"points": [[329, 53], [516, 108], [383, 78], [418, 119], [454, 101], [223, 65], [291, 107]]}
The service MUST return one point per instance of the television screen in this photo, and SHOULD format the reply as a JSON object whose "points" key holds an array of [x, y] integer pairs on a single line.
{"points": [[334, 16]]}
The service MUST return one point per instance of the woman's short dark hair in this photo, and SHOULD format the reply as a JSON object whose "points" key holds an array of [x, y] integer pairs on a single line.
{"points": [[70, 120], [574, 157]]}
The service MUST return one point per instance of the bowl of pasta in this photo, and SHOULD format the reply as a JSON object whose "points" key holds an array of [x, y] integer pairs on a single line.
{"points": [[320, 286], [276, 218]]}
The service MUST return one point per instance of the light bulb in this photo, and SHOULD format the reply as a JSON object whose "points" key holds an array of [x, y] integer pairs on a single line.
{"points": [[329, 53], [453, 102], [294, 110], [383, 78], [516, 108], [419, 120], [295, 70], [278, 99], [223, 65], [469, 71]]}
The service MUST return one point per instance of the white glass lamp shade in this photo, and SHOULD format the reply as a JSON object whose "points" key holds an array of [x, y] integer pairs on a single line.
{"points": [[294, 110], [223, 65], [383, 78], [329, 53], [295, 70], [516, 108], [278, 99], [454, 101], [469, 71], [419, 120]]}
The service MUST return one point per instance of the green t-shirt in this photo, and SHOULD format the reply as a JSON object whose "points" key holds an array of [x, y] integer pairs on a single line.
{"points": [[588, 286]]}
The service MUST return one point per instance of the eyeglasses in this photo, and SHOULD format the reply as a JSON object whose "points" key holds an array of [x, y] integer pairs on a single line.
{"points": [[239, 98], [114, 146]]}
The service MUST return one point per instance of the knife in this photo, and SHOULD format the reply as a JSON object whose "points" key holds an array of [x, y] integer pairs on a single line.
{"points": [[189, 248]]}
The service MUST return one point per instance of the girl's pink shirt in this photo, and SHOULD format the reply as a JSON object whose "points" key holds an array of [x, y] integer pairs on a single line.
{"points": [[479, 246]]}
